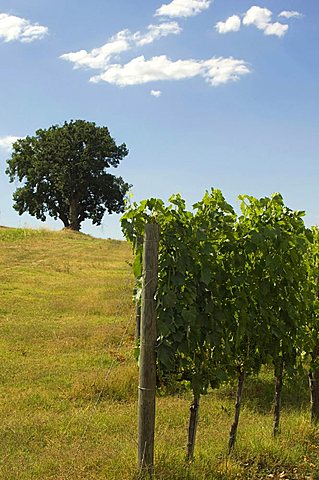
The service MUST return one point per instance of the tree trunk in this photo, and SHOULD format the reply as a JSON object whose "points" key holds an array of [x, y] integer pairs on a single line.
{"points": [[62, 214], [233, 430], [64, 219], [279, 370], [314, 387], [192, 427], [65, 223], [74, 223]]}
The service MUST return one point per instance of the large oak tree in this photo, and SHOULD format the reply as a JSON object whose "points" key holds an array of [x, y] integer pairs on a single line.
{"points": [[64, 173]]}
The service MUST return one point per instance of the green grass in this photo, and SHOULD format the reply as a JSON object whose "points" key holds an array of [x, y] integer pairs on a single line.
{"points": [[68, 379]]}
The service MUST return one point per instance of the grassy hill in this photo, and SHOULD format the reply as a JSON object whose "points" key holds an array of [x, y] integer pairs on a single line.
{"points": [[68, 379]]}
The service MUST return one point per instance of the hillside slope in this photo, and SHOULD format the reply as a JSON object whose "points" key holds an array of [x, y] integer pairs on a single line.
{"points": [[65, 307], [68, 379]]}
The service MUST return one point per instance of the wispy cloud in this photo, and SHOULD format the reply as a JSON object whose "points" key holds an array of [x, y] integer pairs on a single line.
{"points": [[6, 143], [155, 32], [156, 93], [182, 8], [262, 19], [232, 24], [290, 14], [215, 71], [14, 28], [139, 70], [99, 58]]}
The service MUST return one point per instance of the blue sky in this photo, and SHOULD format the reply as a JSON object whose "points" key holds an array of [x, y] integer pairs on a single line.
{"points": [[204, 93]]}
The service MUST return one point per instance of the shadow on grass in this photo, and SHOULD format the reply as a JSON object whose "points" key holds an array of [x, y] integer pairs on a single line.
{"points": [[259, 392]]}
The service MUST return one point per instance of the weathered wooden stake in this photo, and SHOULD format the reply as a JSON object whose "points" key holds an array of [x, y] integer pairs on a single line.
{"points": [[279, 371], [138, 303], [314, 387], [233, 430], [314, 395], [314, 380], [147, 373], [192, 428], [138, 321]]}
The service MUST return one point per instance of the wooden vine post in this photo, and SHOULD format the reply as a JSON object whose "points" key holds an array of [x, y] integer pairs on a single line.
{"points": [[314, 371], [138, 303], [138, 321], [147, 372], [234, 427], [192, 428], [314, 387], [279, 369]]}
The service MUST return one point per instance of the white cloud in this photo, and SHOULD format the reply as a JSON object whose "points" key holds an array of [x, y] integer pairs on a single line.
{"points": [[216, 71], [156, 93], [6, 143], [261, 18], [155, 32], [276, 28], [99, 58], [139, 71], [17, 28], [290, 14], [182, 8], [232, 24]]}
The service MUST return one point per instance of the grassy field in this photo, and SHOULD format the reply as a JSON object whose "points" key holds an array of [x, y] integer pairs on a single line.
{"points": [[68, 379]]}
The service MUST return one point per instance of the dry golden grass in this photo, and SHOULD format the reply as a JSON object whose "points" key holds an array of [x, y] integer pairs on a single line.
{"points": [[68, 379]]}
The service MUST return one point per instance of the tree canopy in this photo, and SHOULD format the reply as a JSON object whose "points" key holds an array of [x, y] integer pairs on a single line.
{"points": [[63, 171]]}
